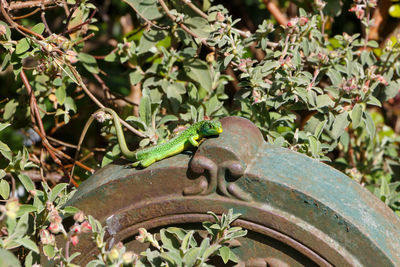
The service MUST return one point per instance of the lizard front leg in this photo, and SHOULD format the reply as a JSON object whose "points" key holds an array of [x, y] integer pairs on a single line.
{"points": [[193, 139]]}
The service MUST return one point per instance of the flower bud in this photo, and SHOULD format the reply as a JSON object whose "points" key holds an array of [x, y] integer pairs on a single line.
{"points": [[128, 257], [74, 240], [113, 254], [71, 56], [303, 21], [292, 23], [220, 17], [45, 237], [76, 229], [33, 193], [55, 228], [99, 241], [3, 30], [142, 235], [210, 57], [86, 227], [79, 216], [55, 217]]}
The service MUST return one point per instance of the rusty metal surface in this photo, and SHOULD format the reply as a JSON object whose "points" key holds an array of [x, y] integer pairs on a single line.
{"points": [[300, 212]]}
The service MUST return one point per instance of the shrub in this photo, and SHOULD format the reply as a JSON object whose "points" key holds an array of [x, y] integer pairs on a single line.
{"points": [[309, 86]]}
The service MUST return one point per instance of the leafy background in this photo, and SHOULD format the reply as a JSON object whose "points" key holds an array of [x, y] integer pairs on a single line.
{"points": [[320, 78]]}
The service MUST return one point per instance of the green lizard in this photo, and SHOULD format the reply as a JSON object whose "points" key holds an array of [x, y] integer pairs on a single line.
{"points": [[148, 156]]}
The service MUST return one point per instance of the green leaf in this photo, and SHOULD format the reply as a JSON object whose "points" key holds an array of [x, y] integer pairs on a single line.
{"points": [[28, 243], [313, 145], [178, 232], [22, 46], [145, 110], [335, 77], [135, 77], [224, 252], [374, 101], [149, 40], [199, 71], [61, 94], [137, 122], [5, 151], [384, 189], [213, 105], [369, 123], [25, 208], [89, 62], [191, 256], [29, 261], [6, 61], [228, 59], [26, 181], [394, 11], [9, 109], [373, 44], [147, 8], [173, 93], [166, 119], [210, 251], [49, 251], [4, 189], [3, 126], [8, 31], [169, 240], [324, 101], [187, 240], [2, 173], [70, 210], [339, 125], [69, 104], [56, 191], [8, 259], [144, 142], [38, 28], [198, 25], [110, 57], [355, 115]]}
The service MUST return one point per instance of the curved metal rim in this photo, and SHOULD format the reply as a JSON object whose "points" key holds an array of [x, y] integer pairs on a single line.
{"points": [[191, 216]]}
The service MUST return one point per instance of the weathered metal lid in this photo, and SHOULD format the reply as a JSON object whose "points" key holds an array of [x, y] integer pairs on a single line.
{"points": [[298, 211]]}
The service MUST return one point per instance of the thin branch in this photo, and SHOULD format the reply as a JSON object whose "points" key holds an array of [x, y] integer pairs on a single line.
{"points": [[180, 23], [195, 8], [79, 26], [65, 6], [69, 14], [36, 119], [36, 176], [27, 15], [87, 37], [29, 4], [13, 24], [46, 26], [91, 96], [103, 57], [145, 19], [275, 12], [52, 139]]}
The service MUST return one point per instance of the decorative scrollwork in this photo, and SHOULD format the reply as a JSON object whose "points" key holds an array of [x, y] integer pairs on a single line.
{"points": [[220, 178]]}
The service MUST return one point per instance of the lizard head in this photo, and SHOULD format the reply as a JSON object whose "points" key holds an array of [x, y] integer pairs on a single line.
{"points": [[211, 128]]}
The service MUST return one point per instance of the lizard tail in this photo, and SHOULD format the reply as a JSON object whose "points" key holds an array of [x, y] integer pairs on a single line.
{"points": [[131, 155]]}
